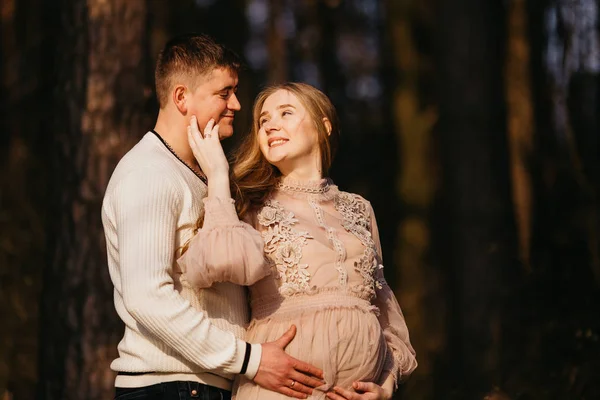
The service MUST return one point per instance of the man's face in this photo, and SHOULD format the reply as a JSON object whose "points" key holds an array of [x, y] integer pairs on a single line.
{"points": [[215, 98]]}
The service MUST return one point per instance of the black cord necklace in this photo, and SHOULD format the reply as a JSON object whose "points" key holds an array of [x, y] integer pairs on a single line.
{"points": [[199, 174]]}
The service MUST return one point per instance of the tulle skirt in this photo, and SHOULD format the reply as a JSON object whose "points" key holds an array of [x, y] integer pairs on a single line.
{"points": [[336, 332]]}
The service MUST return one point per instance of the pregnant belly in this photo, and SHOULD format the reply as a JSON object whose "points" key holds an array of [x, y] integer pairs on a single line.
{"points": [[343, 339]]}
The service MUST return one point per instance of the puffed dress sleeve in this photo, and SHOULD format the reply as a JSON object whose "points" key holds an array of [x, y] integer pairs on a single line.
{"points": [[224, 250], [401, 359]]}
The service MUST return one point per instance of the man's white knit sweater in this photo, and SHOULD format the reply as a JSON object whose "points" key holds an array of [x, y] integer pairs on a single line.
{"points": [[172, 332]]}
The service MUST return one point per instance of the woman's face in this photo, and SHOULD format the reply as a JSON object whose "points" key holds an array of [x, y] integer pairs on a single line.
{"points": [[287, 135]]}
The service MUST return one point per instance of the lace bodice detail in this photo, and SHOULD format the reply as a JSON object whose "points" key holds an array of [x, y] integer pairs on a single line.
{"points": [[283, 247], [319, 238]]}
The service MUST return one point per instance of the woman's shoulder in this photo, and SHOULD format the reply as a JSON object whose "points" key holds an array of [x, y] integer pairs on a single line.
{"points": [[352, 202], [353, 196]]}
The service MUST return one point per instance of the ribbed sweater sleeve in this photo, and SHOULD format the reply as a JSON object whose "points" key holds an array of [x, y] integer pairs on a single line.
{"points": [[147, 204]]}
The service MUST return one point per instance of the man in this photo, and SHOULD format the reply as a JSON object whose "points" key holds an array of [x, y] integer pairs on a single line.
{"points": [[180, 343]]}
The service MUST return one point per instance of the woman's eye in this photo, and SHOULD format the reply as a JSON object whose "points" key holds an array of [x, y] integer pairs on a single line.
{"points": [[286, 113], [261, 122]]}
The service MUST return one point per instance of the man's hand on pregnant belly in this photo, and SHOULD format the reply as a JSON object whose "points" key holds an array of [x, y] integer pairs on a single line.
{"points": [[284, 374]]}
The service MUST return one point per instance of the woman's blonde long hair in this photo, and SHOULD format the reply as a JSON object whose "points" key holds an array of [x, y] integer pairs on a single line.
{"points": [[253, 177]]}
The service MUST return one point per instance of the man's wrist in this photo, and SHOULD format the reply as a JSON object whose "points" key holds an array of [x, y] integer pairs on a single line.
{"points": [[246, 358], [253, 361]]}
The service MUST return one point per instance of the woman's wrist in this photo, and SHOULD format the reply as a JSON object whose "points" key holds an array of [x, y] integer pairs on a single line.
{"points": [[388, 387], [218, 186]]}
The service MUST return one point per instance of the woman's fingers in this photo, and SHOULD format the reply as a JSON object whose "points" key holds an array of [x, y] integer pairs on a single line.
{"points": [[212, 132], [193, 128], [367, 387], [196, 133], [367, 391], [215, 132], [207, 148], [207, 129], [192, 140], [339, 393], [335, 396], [195, 137], [209, 125]]}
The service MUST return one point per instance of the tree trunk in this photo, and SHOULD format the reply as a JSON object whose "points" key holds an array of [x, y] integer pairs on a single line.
{"points": [[561, 320], [421, 285], [520, 122], [276, 39], [476, 244], [22, 193], [101, 108]]}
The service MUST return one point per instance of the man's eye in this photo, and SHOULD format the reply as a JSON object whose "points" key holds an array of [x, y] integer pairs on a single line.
{"points": [[224, 95]]}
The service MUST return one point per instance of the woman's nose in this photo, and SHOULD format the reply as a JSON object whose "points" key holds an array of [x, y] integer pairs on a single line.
{"points": [[271, 125]]}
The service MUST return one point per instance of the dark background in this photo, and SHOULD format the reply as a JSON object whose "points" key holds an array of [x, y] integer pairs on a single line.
{"points": [[471, 125]]}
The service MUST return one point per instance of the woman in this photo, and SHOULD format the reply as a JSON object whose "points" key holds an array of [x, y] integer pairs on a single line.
{"points": [[323, 248]]}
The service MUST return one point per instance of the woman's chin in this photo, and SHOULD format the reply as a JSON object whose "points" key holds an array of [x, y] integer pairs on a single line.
{"points": [[281, 164], [275, 157]]}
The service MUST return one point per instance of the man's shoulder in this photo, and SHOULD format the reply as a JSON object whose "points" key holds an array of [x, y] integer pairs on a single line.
{"points": [[147, 153], [147, 161], [147, 156]]}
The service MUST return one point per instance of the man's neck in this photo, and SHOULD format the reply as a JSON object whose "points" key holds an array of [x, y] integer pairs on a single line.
{"points": [[176, 136]]}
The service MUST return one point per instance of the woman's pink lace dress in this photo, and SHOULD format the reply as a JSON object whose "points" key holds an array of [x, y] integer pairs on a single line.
{"points": [[327, 279]]}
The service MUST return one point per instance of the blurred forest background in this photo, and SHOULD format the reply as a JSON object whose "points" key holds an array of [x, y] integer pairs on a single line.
{"points": [[471, 125]]}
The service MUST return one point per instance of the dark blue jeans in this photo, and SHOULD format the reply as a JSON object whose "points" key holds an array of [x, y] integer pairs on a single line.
{"points": [[173, 391]]}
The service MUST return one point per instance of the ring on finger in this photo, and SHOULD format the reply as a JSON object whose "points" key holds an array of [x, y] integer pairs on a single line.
{"points": [[293, 383], [207, 135]]}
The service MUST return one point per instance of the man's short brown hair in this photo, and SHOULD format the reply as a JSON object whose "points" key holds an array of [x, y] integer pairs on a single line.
{"points": [[188, 57]]}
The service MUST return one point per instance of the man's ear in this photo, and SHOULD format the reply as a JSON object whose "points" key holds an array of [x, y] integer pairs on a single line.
{"points": [[327, 124], [179, 98]]}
